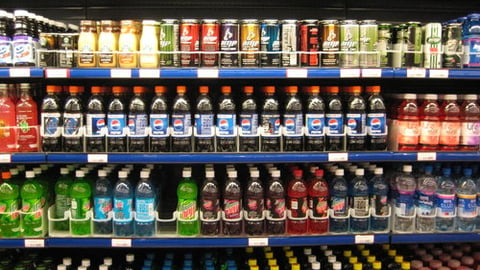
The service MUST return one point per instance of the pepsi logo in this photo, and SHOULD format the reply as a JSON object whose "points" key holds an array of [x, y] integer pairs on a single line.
{"points": [[158, 124], [352, 123], [290, 124], [100, 123], [246, 124], [178, 125], [223, 124], [277, 124], [131, 123], [333, 124], [115, 125], [316, 124], [375, 123]]}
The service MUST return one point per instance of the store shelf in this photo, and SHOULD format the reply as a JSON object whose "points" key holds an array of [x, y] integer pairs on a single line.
{"points": [[23, 158], [434, 238], [21, 72]]}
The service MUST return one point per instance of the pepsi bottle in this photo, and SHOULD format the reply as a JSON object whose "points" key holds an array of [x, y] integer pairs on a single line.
{"points": [[293, 121], [356, 121], [95, 122], [314, 121], [117, 122], [181, 122], [159, 122], [270, 121], [51, 120], [137, 121], [73, 122], [248, 131], [204, 119], [226, 122], [334, 119], [376, 120]]}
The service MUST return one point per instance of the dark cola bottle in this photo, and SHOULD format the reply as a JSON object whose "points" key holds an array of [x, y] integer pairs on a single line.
{"points": [[73, 121], [334, 120], [293, 121], [137, 121], [376, 120], [159, 122], [181, 122], [314, 121], [51, 120], [356, 117], [270, 122], [226, 122], [210, 205], [254, 205], [95, 122], [248, 132], [117, 122], [275, 196], [204, 119]]}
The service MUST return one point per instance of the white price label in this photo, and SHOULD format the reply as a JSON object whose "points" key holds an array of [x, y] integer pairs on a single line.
{"points": [[207, 73], [19, 72], [427, 156], [97, 158], [120, 73], [349, 73], [257, 242], [149, 73], [372, 73], [121, 242], [297, 73], [5, 158], [34, 243], [338, 157], [416, 73], [56, 73], [364, 239], [439, 73]]}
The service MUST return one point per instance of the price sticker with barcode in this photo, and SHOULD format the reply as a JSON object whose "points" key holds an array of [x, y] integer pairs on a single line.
{"points": [[120, 73], [427, 156], [349, 73], [34, 243], [257, 242], [119, 242], [97, 158], [337, 157], [5, 158], [416, 73], [364, 239], [207, 73], [297, 73]]}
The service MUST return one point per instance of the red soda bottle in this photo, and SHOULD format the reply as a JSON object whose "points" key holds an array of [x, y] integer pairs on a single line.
{"points": [[429, 123], [470, 135], [318, 203], [450, 118], [408, 124], [7, 122], [297, 194], [27, 121]]}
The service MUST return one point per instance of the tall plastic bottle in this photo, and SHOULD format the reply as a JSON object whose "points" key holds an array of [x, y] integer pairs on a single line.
{"points": [[27, 121], [405, 202], [314, 121], [248, 122], [226, 127], [73, 121], [378, 187], [117, 122], [255, 204], [408, 124], [334, 120], [102, 204], [81, 193], [210, 204], [293, 121], [187, 192], [32, 197], [425, 199], [145, 202], [9, 206], [270, 122], [275, 204], [123, 206], [62, 198], [430, 125], [297, 203], [7, 122], [51, 120], [232, 205], [356, 118], [318, 195], [138, 121], [376, 120], [95, 119], [159, 121], [204, 122], [181, 122], [446, 202], [360, 203], [470, 118], [466, 202], [339, 200], [451, 127]]}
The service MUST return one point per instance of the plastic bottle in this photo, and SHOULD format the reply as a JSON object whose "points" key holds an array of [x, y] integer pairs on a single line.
{"points": [[255, 204], [95, 118], [117, 122], [5, 41], [466, 202], [293, 121], [356, 117], [51, 120], [7, 122], [445, 202], [314, 121], [425, 200], [145, 202], [27, 121], [81, 193], [318, 195], [470, 118], [471, 39], [270, 122], [430, 125], [359, 200], [408, 124], [204, 122], [181, 122], [159, 121], [62, 198], [334, 120], [451, 127], [210, 204], [102, 204], [248, 131], [24, 46], [32, 195], [73, 121], [187, 191], [9, 206], [297, 203], [376, 120], [138, 121], [405, 203], [123, 206], [226, 128], [275, 204], [232, 205]]}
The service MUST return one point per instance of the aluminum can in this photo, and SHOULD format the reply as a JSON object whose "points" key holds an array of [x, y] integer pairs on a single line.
{"points": [[289, 43], [399, 34], [309, 43], [250, 43], [189, 43], [433, 46], [368, 44], [168, 41], [48, 43], [384, 44], [452, 45], [330, 43], [414, 42], [349, 44], [229, 44], [270, 43], [210, 42]]}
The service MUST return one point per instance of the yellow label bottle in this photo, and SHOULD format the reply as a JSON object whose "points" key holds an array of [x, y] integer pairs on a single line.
{"points": [[87, 44], [107, 45], [128, 44], [149, 44]]}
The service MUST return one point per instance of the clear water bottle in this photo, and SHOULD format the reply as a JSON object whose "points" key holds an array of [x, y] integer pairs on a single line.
{"points": [[445, 202], [405, 204], [102, 204], [145, 202], [359, 202], [467, 202], [425, 200], [123, 206]]}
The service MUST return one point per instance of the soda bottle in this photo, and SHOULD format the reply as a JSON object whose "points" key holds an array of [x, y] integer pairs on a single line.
{"points": [[187, 223], [470, 118], [7, 122], [318, 195], [116, 122], [408, 124], [425, 199], [334, 120], [159, 122], [204, 122], [270, 122], [275, 204], [145, 202], [254, 207], [80, 192], [62, 198], [181, 122], [338, 196], [27, 121], [248, 131], [210, 204], [73, 121], [376, 120], [123, 206], [226, 130], [293, 121], [378, 187], [102, 204], [137, 121], [95, 122], [297, 203], [429, 123], [466, 202], [359, 201], [9, 215], [51, 120], [450, 118], [32, 196], [232, 205], [314, 121], [405, 203], [356, 117]]}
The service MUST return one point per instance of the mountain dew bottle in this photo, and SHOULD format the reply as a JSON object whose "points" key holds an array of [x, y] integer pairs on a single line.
{"points": [[80, 193], [32, 196], [62, 198], [9, 215], [187, 204]]}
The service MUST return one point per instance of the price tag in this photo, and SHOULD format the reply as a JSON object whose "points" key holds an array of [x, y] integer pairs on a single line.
{"points": [[149, 73], [439, 73], [297, 73], [5, 158], [416, 73], [364, 239], [427, 156], [257, 242], [349, 73], [34, 243], [97, 158], [56, 73], [19, 72], [338, 157], [372, 73], [207, 73], [121, 242], [120, 73]]}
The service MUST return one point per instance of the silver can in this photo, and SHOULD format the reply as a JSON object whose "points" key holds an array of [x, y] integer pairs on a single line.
{"points": [[349, 43], [433, 45], [289, 43], [452, 45], [368, 44]]}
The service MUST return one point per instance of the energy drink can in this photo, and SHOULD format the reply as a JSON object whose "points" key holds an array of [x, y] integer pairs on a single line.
{"points": [[289, 43], [229, 44], [169, 45], [330, 43], [368, 44], [384, 44], [452, 45], [349, 44], [414, 40], [309, 43], [210, 42], [399, 33], [270, 43], [189, 43], [250, 40], [433, 46]]}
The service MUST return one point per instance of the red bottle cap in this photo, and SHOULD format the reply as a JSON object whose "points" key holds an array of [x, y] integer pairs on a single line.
{"points": [[226, 89], [332, 89], [96, 89], [203, 89], [319, 173], [160, 89], [181, 89], [297, 173], [269, 89], [248, 89], [139, 89]]}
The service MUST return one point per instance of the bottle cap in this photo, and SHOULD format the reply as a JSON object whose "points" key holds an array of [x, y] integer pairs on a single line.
{"points": [[399, 259], [315, 89], [392, 252], [274, 267], [51, 88], [96, 89], [332, 258], [339, 172], [292, 260], [181, 89], [20, 13], [61, 267], [102, 173], [405, 266], [252, 262], [470, 97], [276, 173], [347, 253], [410, 96], [130, 257], [6, 175], [122, 174], [297, 173], [210, 174], [312, 258], [160, 89], [272, 262], [357, 266], [337, 265], [295, 266], [86, 262], [203, 89], [407, 168], [315, 266], [289, 253], [79, 174], [144, 174], [186, 173], [365, 253], [139, 89], [371, 259], [248, 89], [431, 96], [269, 89], [232, 174], [353, 260], [377, 265], [103, 267], [291, 89], [117, 89], [356, 89], [378, 171], [373, 89], [450, 97], [254, 267], [331, 89], [74, 89], [254, 174], [319, 173], [226, 89], [359, 172]]}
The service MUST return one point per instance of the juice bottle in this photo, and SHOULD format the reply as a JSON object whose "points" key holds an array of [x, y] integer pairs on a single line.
{"points": [[128, 44], [87, 44], [408, 124], [7, 121], [429, 123], [450, 117], [27, 121], [297, 203], [149, 44], [318, 203], [107, 45], [470, 135]]}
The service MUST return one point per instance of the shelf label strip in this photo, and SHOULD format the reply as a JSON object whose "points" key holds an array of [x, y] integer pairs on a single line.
{"points": [[19, 72], [5, 158], [148, 73], [337, 157], [257, 242], [416, 73], [427, 156], [120, 73], [56, 73], [349, 73], [207, 73], [116, 242], [34, 243], [297, 73], [97, 158], [364, 239], [372, 73], [439, 73]]}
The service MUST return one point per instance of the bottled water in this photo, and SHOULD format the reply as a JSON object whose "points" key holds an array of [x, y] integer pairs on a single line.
{"points": [[445, 202], [360, 202], [102, 204], [467, 202], [378, 187], [405, 204], [123, 206], [425, 199], [145, 206]]}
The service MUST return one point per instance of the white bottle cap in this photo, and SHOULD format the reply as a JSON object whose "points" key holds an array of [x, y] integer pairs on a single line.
{"points": [[232, 174], [359, 172], [378, 171], [122, 174], [410, 96], [20, 13], [332, 258], [103, 267], [276, 174], [67, 261], [61, 267], [407, 168], [470, 97], [102, 173], [327, 252], [108, 261], [64, 171], [315, 266], [79, 173], [450, 97], [339, 172], [337, 265], [86, 262], [3, 13], [210, 174], [144, 174], [130, 257], [82, 268], [312, 258], [14, 171], [186, 173], [37, 170], [254, 174], [431, 96]]}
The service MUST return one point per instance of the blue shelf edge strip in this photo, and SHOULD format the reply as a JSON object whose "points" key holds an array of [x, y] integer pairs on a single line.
{"points": [[434, 238]]}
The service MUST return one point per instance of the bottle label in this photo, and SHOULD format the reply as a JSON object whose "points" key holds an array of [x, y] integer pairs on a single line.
{"points": [[429, 132], [5, 50], [232, 208], [319, 206], [293, 125], [470, 133], [315, 123], [33, 210], [271, 125], [145, 210], [187, 209], [210, 208], [159, 125], [334, 122], [472, 49], [467, 206], [182, 125], [80, 207], [425, 202], [226, 124], [408, 132], [445, 205], [356, 123], [122, 210], [50, 125], [404, 204], [101, 207], [339, 206], [204, 125], [298, 206], [137, 124], [381, 204], [377, 124], [23, 49], [62, 204], [116, 125], [255, 208], [360, 205], [72, 123], [8, 211], [95, 124], [85, 54], [450, 134], [248, 124], [276, 207]]}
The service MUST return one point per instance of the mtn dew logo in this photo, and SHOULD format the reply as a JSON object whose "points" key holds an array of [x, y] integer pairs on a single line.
{"points": [[188, 209], [24, 127], [434, 40], [232, 208]]}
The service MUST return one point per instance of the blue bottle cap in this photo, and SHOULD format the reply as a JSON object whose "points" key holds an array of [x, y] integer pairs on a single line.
{"points": [[447, 171], [467, 172]]}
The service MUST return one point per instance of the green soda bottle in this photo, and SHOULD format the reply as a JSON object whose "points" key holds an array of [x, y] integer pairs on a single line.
{"points": [[40, 177], [9, 215], [62, 198], [32, 195], [80, 193], [187, 191]]}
